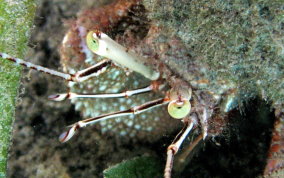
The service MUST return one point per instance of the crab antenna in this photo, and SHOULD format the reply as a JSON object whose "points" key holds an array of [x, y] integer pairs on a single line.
{"points": [[65, 136], [70, 95], [174, 147], [80, 76]]}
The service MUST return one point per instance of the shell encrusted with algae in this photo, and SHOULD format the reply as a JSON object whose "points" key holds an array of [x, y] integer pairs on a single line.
{"points": [[239, 43]]}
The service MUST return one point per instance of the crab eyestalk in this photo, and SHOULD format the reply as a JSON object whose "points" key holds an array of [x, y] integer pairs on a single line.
{"points": [[103, 45], [179, 107]]}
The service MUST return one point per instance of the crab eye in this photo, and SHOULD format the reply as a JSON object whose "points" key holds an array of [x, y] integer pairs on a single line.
{"points": [[92, 43], [179, 111]]}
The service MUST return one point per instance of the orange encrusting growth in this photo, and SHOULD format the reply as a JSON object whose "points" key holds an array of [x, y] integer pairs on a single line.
{"points": [[275, 160]]}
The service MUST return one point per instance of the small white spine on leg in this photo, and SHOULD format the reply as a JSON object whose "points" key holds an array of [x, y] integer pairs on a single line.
{"points": [[204, 124]]}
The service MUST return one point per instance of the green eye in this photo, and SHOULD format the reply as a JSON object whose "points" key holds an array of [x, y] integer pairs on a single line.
{"points": [[92, 43], [179, 111]]}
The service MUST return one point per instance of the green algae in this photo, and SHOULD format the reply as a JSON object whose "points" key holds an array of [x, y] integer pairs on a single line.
{"points": [[16, 19]]}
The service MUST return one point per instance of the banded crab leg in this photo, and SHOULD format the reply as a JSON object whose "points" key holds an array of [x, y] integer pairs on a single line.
{"points": [[174, 147], [102, 45], [79, 76], [65, 136], [70, 95]]}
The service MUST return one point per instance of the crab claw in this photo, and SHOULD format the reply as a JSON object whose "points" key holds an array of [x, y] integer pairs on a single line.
{"points": [[65, 136], [58, 97]]}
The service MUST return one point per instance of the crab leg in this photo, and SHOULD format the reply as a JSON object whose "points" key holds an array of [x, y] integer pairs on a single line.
{"points": [[181, 161], [65, 136], [92, 71], [174, 147], [70, 95], [80, 76]]}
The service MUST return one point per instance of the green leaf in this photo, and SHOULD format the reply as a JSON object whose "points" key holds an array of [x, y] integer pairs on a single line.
{"points": [[16, 19], [143, 166]]}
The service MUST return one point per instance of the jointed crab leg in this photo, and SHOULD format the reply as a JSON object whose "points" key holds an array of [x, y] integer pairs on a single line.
{"points": [[80, 76], [174, 147], [181, 161], [70, 95], [65, 136], [92, 71]]}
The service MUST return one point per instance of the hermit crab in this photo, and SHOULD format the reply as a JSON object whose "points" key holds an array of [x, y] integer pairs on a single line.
{"points": [[178, 97], [186, 100]]}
